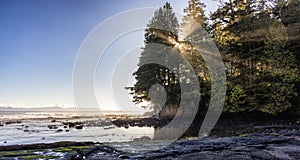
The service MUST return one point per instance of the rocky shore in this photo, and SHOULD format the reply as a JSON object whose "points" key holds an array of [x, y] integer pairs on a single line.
{"points": [[247, 147], [230, 139]]}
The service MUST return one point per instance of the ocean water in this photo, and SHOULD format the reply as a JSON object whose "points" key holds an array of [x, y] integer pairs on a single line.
{"points": [[33, 128], [69, 114]]}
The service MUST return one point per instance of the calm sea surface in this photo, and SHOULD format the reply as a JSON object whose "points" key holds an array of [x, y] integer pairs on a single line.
{"points": [[33, 127]]}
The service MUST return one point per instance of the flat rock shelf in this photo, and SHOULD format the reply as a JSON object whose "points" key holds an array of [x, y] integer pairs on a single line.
{"points": [[246, 147]]}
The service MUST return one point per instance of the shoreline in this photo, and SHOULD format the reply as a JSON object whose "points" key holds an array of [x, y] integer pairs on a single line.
{"points": [[231, 138], [253, 146]]}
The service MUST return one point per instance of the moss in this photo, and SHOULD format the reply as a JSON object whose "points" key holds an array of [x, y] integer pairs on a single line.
{"points": [[80, 147], [30, 154], [243, 135], [26, 155], [63, 149], [14, 153], [71, 148]]}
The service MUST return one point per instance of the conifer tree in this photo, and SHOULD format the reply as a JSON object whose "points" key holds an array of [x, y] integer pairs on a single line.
{"points": [[162, 28], [195, 34], [261, 70]]}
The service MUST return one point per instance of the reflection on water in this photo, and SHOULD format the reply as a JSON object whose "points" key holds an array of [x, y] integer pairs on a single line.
{"points": [[34, 127], [29, 132], [26, 127]]}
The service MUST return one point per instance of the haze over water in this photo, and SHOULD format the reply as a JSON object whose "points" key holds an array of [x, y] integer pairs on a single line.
{"points": [[28, 127]]}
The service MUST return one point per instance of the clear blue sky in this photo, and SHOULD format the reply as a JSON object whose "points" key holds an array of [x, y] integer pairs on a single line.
{"points": [[39, 41]]}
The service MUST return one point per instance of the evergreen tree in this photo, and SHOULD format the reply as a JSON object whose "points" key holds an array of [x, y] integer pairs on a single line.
{"points": [[193, 29], [259, 43], [162, 30], [195, 12], [195, 35], [254, 47], [231, 30], [275, 73], [288, 11], [290, 16]]}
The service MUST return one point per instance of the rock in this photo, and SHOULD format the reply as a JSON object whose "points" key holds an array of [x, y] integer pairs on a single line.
{"points": [[67, 130], [13, 122], [5, 142], [232, 148], [79, 126], [1, 125], [109, 127], [144, 138], [26, 130], [202, 155], [124, 157], [52, 127], [59, 130], [43, 138], [262, 155], [65, 126], [72, 124], [53, 120]]}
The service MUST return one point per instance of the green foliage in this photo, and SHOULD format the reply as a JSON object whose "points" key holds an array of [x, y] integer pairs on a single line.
{"points": [[235, 99], [195, 12], [163, 31], [194, 31], [258, 40], [262, 71]]}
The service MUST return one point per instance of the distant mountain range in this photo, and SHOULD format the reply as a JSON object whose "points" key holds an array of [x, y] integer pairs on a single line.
{"points": [[59, 109], [36, 109]]}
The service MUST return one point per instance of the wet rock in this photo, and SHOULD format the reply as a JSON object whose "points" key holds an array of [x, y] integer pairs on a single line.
{"points": [[124, 157], [140, 122], [202, 155], [109, 127], [232, 148], [72, 124], [262, 155], [144, 138], [52, 127], [78, 126], [31, 131], [13, 122], [59, 130]]}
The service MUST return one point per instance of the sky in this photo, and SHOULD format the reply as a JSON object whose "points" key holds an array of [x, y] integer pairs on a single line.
{"points": [[39, 42]]}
